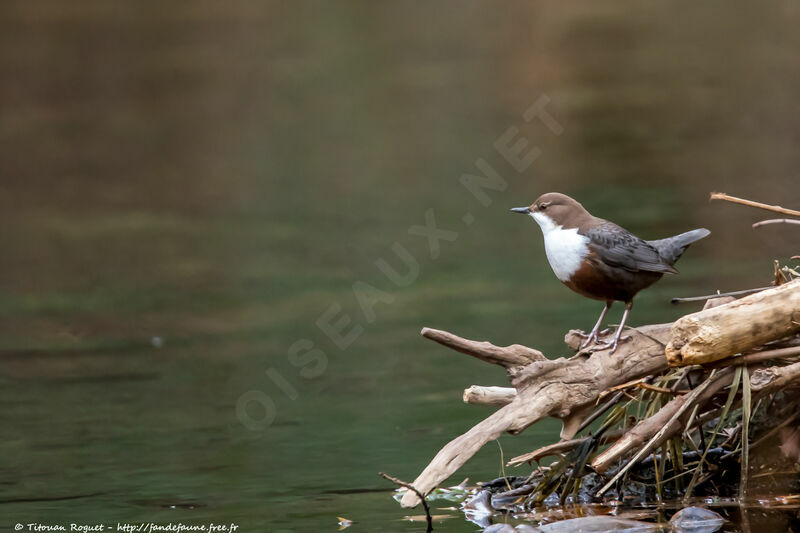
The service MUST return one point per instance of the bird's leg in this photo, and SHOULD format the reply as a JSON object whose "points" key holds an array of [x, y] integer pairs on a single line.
{"points": [[613, 344], [592, 336]]}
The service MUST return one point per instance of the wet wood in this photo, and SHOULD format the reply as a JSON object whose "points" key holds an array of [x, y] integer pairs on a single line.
{"points": [[735, 327]]}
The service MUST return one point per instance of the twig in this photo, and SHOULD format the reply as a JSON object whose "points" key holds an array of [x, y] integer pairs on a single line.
{"points": [[601, 411], [621, 387], [411, 487], [718, 295], [640, 384], [775, 208], [776, 221], [561, 447], [662, 390], [757, 357]]}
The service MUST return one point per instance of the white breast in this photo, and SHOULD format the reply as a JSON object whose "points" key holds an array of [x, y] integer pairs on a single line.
{"points": [[565, 248]]}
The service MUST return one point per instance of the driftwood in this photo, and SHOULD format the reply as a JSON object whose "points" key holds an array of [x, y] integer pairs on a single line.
{"points": [[498, 396], [565, 388], [569, 388], [511, 357], [747, 385], [735, 327]]}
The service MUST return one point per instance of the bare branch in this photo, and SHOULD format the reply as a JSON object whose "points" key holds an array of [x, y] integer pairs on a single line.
{"points": [[561, 447], [718, 295], [515, 355], [421, 496], [775, 208], [776, 221]]}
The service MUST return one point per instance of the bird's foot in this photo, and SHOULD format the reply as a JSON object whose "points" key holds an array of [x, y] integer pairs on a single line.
{"points": [[592, 337], [613, 344]]}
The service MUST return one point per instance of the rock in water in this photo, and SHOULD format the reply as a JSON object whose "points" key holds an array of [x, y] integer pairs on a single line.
{"points": [[696, 520], [601, 524], [500, 528], [478, 509]]}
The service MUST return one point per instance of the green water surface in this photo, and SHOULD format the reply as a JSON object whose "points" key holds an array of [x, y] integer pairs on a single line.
{"points": [[186, 188]]}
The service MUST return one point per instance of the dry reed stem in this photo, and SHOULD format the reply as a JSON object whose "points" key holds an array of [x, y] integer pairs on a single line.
{"points": [[734, 199]]}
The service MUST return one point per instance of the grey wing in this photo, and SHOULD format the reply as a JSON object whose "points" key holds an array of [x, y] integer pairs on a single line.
{"points": [[617, 247]]}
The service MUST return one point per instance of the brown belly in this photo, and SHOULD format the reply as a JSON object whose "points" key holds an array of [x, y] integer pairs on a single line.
{"points": [[595, 279]]}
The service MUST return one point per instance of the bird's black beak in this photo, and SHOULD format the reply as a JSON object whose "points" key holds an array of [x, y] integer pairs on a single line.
{"points": [[523, 210]]}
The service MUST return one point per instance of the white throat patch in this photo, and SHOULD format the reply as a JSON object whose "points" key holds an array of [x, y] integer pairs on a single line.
{"points": [[565, 248]]}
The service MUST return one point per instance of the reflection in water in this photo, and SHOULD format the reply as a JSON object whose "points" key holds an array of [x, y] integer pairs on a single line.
{"points": [[218, 175]]}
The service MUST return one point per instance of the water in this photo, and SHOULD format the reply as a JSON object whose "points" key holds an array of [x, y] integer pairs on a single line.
{"points": [[186, 189]]}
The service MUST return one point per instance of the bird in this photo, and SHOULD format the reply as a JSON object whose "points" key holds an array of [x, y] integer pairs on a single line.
{"points": [[601, 260]]}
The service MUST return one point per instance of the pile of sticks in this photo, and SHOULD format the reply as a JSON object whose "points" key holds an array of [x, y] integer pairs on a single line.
{"points": [[732, 357]]}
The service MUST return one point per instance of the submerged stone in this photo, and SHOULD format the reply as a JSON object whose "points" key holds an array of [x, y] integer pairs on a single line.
{"points": [[600, 524], [696, 520], [478, 509], [500, 528]]}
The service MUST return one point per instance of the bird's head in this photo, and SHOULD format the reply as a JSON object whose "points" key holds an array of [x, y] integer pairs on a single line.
{"points": [[554, 209]]}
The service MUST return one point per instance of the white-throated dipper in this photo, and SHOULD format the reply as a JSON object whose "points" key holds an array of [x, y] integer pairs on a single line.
{"points": [[600, 260]]}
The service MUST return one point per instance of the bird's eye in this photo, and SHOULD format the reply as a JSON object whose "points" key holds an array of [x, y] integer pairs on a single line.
{"points": [[543, 206]]}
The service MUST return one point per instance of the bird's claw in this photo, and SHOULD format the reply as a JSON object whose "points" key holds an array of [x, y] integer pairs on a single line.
{"points": [[588, 339], [613, 344], [594, 338]]}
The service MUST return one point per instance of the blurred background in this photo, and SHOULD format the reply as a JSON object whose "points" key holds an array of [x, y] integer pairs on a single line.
{"points": [[186, 188]]}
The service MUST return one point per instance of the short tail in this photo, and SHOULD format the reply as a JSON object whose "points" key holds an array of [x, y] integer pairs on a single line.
{"points": [[671, 248]]}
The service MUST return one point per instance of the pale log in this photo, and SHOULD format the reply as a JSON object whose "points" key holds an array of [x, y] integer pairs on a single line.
{"points": [[735, 327], [500, 396]]}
